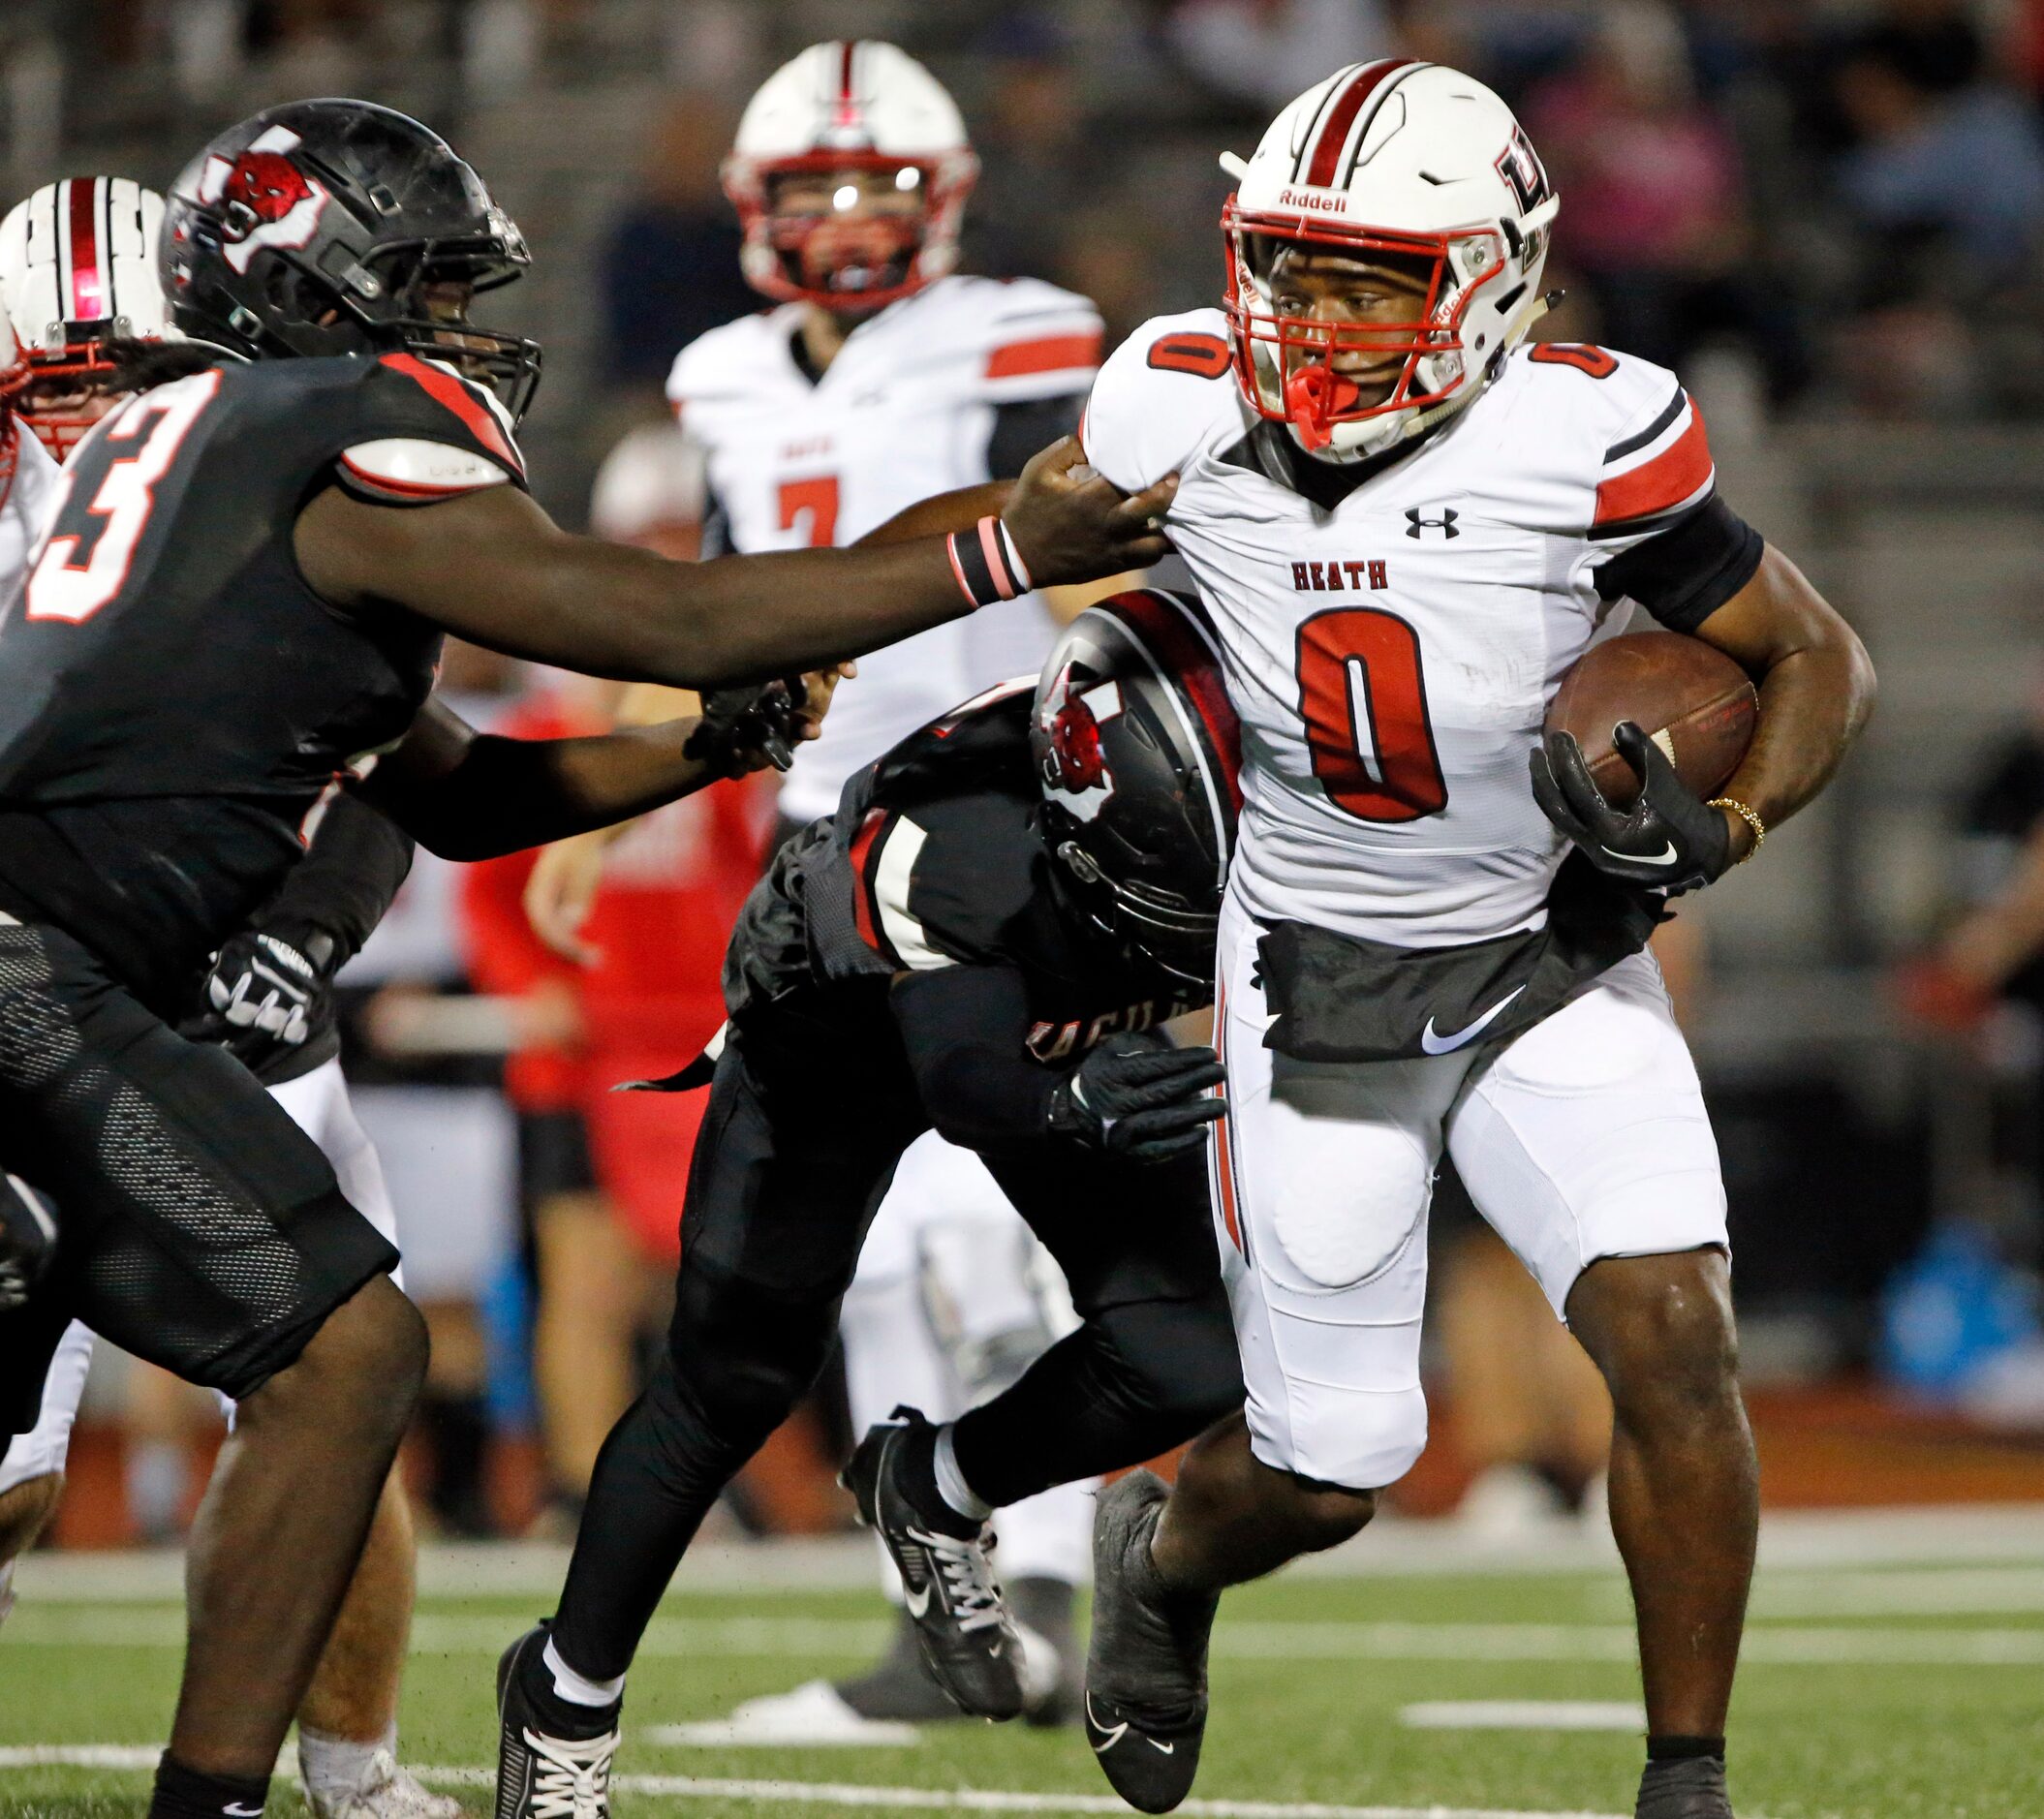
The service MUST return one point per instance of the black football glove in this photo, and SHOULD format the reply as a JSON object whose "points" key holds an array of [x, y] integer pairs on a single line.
{"points": [[1132, 1099], [28, 1240], [1670, 838], [741, 725], [264, 995]]}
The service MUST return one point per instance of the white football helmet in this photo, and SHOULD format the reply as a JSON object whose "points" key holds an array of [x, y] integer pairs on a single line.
{"points": [[78, 269], [1398, 158], [847, 106]]}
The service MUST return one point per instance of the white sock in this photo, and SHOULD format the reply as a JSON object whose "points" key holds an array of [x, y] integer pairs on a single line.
{"points": [[335, 1765], [573, 1688], [951, 1481]]}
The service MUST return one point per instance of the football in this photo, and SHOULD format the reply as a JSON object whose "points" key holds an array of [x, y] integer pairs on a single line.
{"points": [[1690, 698]]}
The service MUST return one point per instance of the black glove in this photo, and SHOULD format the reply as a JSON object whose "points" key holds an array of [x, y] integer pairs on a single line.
{"points": [[743, 725], [28, 1240], [1132, 1099], [266, 995], [1670, 838]]}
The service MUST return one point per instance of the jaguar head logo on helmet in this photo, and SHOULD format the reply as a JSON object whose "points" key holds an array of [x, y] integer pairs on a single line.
{"points": [[338, 227], [78, 285], [1385, 246], [850, 173]]}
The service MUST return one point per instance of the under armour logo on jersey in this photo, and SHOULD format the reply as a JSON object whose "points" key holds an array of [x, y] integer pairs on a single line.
{"points": [[1444, 524]]}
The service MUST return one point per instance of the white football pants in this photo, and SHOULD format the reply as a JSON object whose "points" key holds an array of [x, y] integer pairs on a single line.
{"points": [[1584, 1137]]}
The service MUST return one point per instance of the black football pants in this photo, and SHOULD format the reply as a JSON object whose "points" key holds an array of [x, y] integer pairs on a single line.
{"points": [[796, 1153]]}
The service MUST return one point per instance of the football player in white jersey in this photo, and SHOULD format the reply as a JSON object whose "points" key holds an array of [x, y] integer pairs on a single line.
{"points": [[1406, 525], [82, 325], [881, 377]]}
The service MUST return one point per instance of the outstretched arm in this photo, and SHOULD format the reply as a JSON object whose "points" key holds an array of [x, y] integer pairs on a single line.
{"points": [[492, 567], [469, 795]]}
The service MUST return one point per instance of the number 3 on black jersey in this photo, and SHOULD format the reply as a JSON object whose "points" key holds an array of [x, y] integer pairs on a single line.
{"points": [[1364, 702], [108, 492]]}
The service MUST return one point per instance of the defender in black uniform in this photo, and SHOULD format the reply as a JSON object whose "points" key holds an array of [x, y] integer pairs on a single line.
{"points": [[985, 939], [239, 602]]}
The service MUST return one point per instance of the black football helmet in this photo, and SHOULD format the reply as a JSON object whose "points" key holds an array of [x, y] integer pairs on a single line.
{"points": [[317, 226], [1138, 753]]}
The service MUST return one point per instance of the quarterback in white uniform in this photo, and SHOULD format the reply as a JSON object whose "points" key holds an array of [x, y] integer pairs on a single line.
{"points": [[79, 303], [1406, 525], [881, 378]]}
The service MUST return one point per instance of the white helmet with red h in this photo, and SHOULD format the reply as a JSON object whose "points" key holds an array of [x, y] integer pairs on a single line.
{"points": [[841, 107], [78, 270], [1412, 161]]}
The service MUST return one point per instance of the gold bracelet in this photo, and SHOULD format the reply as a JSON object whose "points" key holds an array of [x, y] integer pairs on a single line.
{"points": [[1746, 814]]}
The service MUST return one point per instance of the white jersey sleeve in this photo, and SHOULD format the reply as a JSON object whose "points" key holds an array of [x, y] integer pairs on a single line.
{"points": [[1160, 395], [1024, 339], [1647, 454]]}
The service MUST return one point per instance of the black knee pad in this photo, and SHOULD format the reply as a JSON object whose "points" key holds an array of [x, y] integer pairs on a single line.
{"points": [[744, 1357], [1179, 1356]]}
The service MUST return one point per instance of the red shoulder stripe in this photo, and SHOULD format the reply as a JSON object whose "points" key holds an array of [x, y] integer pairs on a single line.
{"points": [[1661, 483], [445, 389], [1045, 354]]}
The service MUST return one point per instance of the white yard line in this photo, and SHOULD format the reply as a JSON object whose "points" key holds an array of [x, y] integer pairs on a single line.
{"points": [[56, 1625], [1524, 1715], [2011, 1535], [851, 1793]]}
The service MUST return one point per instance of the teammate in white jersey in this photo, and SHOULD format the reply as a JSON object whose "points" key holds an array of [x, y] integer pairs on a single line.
{"points": [[1406, 526], [82, 325]]}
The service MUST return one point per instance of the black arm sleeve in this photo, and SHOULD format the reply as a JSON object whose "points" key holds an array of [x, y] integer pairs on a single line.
{"points": [[1020, 430], [346, 881], [1687, 571], [964, 1029]]}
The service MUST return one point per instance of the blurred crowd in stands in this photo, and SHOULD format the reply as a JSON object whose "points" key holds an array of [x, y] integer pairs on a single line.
{"points": [[1835, 209]]}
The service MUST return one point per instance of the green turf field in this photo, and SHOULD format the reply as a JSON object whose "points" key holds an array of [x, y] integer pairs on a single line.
{"points": [[1887, 1691]]}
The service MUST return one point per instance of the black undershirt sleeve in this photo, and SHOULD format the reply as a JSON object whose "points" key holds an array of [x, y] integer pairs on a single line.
{"points": [[1684, 574], [964, 1029], [1020, 430], [357, 859]]}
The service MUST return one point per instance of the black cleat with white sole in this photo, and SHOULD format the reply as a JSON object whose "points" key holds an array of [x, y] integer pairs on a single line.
{"points": [[1146, 1691], [551, 1765], [963, 1625], [1685, 1788]]}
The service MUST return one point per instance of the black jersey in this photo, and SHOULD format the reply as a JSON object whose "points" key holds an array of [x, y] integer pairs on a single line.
{"points": [[933, 861], [173, 698]]}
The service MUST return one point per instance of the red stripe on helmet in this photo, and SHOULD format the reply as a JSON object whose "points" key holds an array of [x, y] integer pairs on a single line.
{"points": [[447, 390], [845, 70], [88, 285], [1364, 83], [1186, 655]]}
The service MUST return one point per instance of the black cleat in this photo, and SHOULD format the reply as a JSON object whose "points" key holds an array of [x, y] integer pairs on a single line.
{"points": [[1146, 1692], [541, 1774], [963, 1627], [1688, 1787]]}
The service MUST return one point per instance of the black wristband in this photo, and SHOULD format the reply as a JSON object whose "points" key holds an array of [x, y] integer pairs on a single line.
{"points": [[987, 564]]}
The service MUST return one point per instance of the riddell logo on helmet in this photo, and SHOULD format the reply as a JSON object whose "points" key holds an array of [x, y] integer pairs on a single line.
{"points": [[1321, 199]]}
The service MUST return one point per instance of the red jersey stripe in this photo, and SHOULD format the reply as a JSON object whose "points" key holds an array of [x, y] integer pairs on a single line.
{"points": [[1661, 483], [88, 291], [447, 390], [1045, 354], [1364, 83], [864, 913]]}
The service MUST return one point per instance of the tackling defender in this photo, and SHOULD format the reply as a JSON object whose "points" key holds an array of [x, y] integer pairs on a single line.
{"points": [[882, 376], [1408, 524], [239, 599], [983, 939]]}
